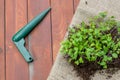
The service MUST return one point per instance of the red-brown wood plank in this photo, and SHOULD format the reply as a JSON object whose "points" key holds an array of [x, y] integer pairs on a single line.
{"points": [[40, 41], [76, 2], [2, 52], [62, 12], [16, 17]]}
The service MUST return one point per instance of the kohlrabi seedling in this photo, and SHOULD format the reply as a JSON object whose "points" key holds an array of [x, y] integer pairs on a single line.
{"points": [[98, 40]]}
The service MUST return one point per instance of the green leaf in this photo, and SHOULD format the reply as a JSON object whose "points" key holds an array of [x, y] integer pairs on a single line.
{"points": [[118, 24], [103, 63], [81, 60], [112, 16], [109, 58], [115, 55], [105, 49], [96, 31], [105, 58], [83, 24], [119, 29], [80, 38], [93, 44], [93, 58], [88, 56], [70, 52], [77, 62], [75, 56], [70, 60], [92, 24], [105, 66], [103, 14]]}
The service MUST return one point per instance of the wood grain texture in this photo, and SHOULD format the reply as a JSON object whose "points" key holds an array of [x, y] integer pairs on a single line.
{"points": [[40, 41], [76, 2], [47, 35], [62, 12], [16, 17], [2, 47]]}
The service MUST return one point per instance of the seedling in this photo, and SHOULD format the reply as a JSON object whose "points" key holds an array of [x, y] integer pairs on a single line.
{"points": [[97, 41]]}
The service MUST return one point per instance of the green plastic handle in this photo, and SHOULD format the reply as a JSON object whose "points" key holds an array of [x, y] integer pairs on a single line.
{"points": [[18, 38], [22, 33], [23, 50]]}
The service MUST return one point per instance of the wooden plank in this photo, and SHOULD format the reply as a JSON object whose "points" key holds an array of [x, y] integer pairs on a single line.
{"points": [[40, 41], [16, 17], [76, 2], [2, 52], [62, 12]]}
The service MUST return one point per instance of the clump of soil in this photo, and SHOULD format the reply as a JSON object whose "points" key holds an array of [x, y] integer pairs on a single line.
{"points": [[88, 69]]}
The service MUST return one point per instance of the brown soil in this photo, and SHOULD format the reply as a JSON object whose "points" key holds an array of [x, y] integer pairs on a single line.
{"points": [[88, 69]]}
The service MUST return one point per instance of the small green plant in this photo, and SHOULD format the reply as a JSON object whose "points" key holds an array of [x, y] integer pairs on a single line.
{"points": [[98, 41]]}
